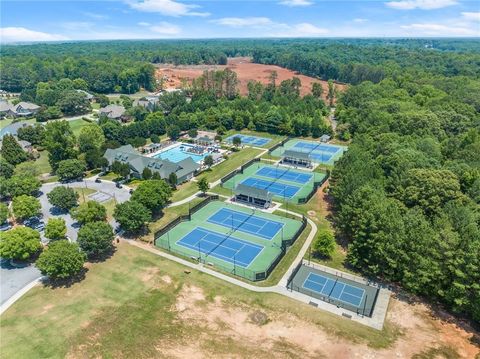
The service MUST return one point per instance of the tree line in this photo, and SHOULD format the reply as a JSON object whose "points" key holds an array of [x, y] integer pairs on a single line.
{"points": [[407, 192]]}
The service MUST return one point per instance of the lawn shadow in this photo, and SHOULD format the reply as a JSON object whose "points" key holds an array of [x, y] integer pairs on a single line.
{"points": [[66, 283]]}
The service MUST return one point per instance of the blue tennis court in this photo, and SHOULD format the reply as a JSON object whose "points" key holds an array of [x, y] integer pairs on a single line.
{"points": [[282, 190], [334, 289], [310, 146], [249, 140], [221, 246], [284, 174], [247, 223]]}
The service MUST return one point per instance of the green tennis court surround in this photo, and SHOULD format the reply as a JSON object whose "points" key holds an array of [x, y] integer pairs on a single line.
{"points": [[285, 183], [238, 240]]}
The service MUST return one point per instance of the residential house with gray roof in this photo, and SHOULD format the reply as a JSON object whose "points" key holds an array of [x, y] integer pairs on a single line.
{"points": [[185, 169], [150, 103], [113, 112], [24, 109]]}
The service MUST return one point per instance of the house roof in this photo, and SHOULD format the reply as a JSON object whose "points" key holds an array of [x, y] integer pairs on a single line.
{"points": [[112, 111], [325, 138], [297, 154], [5, 106], [138, 162], [88, 94], [26, 106], [12, 129], [253, 192], [24, 143]]}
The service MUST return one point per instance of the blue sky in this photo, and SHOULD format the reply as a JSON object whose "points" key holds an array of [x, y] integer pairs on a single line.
{"points": [[133, 19]]}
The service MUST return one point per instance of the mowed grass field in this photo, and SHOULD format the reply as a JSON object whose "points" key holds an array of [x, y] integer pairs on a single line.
{"points": [[139, 305]]}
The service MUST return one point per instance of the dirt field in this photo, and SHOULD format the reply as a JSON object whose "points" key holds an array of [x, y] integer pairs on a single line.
{"points": [[245, 69]]}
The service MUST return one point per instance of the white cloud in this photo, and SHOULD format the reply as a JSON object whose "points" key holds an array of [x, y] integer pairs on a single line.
{"points": [[432, 29], [420, 4], [166, 7], [306, 29], [294, 3], [244, 21], [360, 20], [95, 16], [471, 16], [18, 34], [143, 23], [166, 28]]}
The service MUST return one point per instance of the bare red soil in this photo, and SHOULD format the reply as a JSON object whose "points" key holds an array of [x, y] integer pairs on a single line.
{"points": [[175, 76]]}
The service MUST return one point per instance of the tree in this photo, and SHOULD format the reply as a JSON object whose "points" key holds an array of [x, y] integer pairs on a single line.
{"points": [[6, 169], [155, 138], [48, 113], [94, 159], [324, 244], [33, 134], [22, 184], [147, 173], [203, 185], [95, 239], [102, 100], [331, 92], [28, 168], [90, 211], [121, 169], [70, 170], [55, 229], [237, 141], [60, 142], [91, 137], [11, 151], [208, 161], [61, 260], [63, 197], [153, 194], [131, 215], [73, 103], [19, 243], [3, 213], [173, 131], [317, 90], [25, 207], [192, 133], [172, 179]]}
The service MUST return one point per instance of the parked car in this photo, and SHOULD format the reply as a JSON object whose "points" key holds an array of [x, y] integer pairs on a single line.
{"points": [[35, 223], [130, 191], [5, 226], [98, 180], [119, 185]]}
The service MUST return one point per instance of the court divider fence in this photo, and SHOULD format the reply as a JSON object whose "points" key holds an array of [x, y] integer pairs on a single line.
{"points": [[236, 270], [314, 189], [280, 144], [238, 171]]}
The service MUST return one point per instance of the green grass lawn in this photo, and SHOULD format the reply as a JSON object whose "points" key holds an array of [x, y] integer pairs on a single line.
{"points": [[169, 214], [41, 163], [235, 160], [184, 190], [123, 308], [76, 126], [83, 193]]}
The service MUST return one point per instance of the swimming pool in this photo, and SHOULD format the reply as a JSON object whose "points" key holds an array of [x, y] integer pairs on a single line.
{"points": [[178, 153]]}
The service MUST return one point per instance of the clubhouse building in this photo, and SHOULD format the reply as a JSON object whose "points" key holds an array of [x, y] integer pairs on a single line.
{"points": [[185, 169]]}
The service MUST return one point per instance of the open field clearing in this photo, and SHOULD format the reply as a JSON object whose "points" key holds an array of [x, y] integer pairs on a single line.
{"points": [[246, 71], [139, 305]]}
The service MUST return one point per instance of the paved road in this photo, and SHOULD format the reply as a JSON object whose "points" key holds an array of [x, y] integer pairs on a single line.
{"points": [[14, 279]]}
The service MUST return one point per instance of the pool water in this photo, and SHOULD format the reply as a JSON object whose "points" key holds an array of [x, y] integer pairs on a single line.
{"points": [[178, 153]]}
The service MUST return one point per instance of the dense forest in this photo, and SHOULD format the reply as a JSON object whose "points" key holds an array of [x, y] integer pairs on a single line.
{"points": [[125, 66], [406, 193]]}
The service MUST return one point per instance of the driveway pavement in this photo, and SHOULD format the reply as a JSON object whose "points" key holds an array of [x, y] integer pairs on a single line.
{"points": [[14, 279]]}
